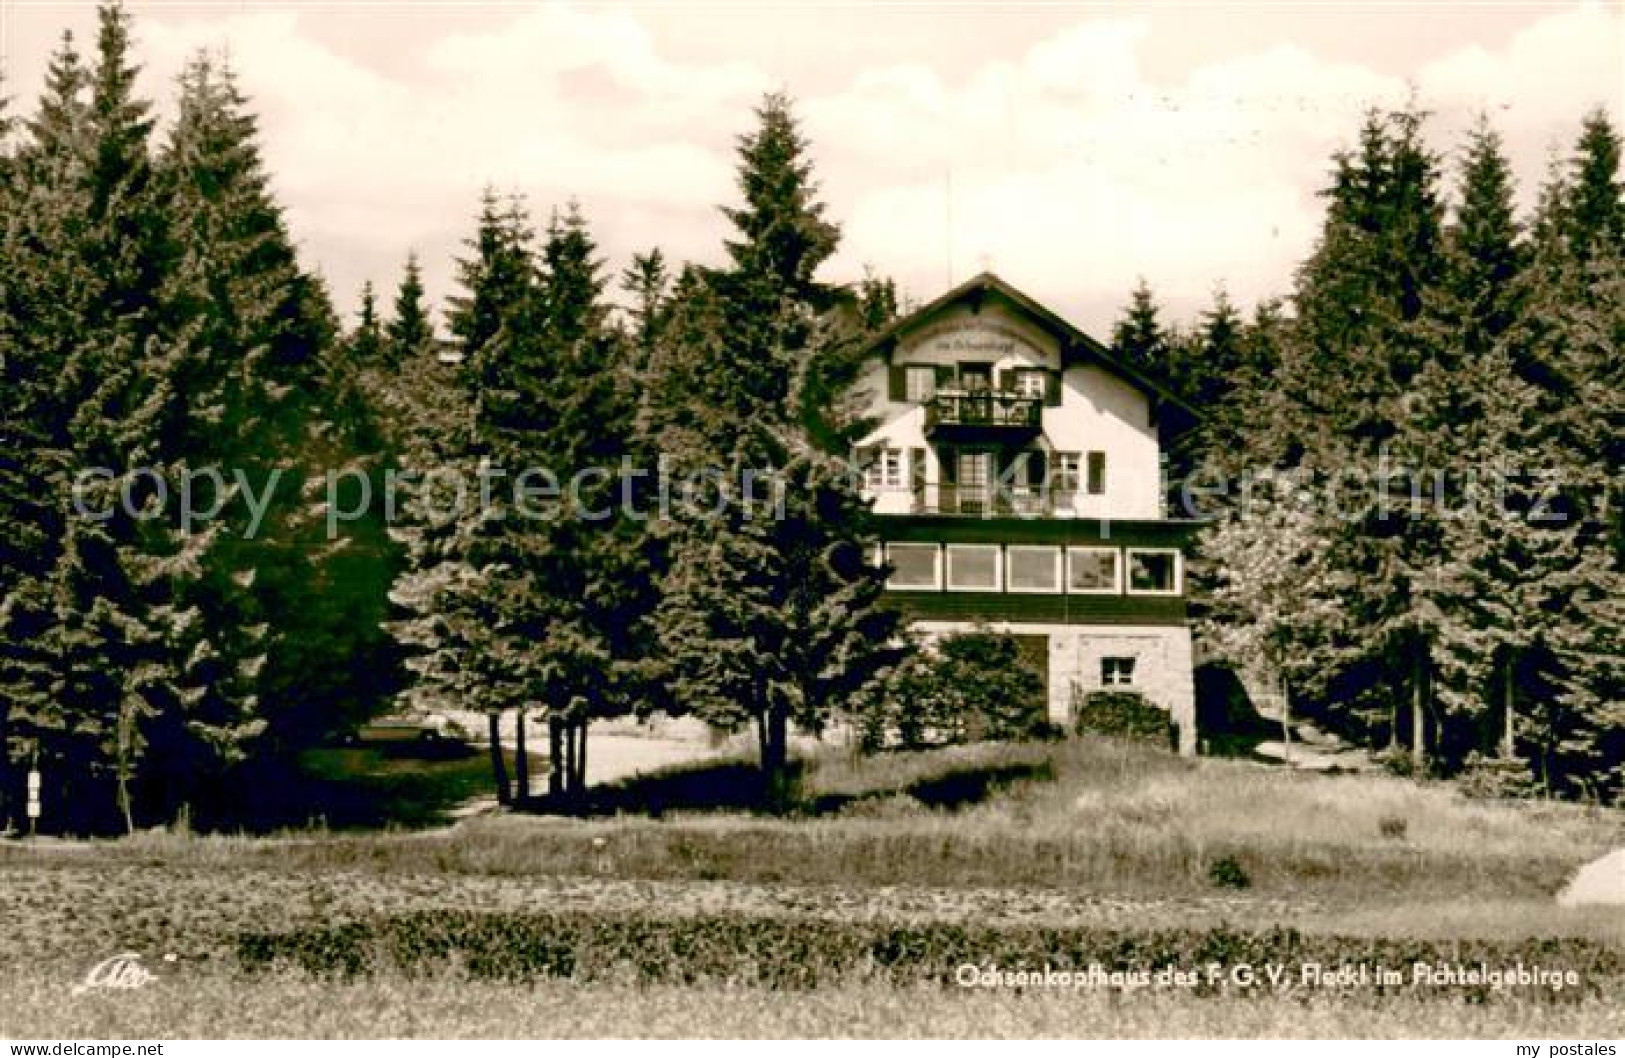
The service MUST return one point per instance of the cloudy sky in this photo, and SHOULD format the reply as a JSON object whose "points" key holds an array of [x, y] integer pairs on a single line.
{"points": [[1072, 147]]}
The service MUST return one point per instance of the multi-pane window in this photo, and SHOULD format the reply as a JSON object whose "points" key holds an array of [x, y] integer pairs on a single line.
{"points": [[1153, 572], [973, 567], [919, 383], [1031, 382], [1033, 568], [976, 377], [1117, 672], [1068, 472], [914, 566], [973, 472], [1092, 570], [886, 471]]}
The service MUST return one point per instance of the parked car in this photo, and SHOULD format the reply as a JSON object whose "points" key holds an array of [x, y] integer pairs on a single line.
{"points": [[405, 732]]}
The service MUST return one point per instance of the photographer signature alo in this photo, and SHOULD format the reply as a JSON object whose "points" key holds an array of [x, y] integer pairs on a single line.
{"points": [[124, 972]]}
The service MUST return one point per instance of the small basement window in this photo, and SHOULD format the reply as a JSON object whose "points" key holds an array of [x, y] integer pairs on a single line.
{"points": [[1033, 568], [1153, 572], [1117, 672], [915, 567], [973, 567]]}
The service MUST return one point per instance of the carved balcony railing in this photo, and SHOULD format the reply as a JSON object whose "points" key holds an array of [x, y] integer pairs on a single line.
{"points": [[987, 413]]}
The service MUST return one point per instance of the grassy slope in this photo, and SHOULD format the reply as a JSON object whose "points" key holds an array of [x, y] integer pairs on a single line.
{"points": [[1078, 833]]}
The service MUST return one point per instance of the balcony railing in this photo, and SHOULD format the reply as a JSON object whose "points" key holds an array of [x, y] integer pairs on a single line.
{"points": [[989, 499], [983, 409]]}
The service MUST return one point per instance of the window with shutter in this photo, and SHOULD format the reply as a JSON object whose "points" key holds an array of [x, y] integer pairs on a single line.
{"points": [[1097, 473], [920, 383], [1029, 382]]}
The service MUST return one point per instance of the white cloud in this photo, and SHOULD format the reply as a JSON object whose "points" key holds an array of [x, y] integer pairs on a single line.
{"points": [[1073, 167]]}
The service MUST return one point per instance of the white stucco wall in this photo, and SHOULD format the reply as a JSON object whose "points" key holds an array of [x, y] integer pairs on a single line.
{"points": [[1099, 411], [1162, 670]]}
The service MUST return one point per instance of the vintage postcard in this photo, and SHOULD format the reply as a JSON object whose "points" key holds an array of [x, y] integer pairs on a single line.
{"points": [[918, 520]]}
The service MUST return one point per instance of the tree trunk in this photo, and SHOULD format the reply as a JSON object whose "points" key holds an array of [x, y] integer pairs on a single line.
{"points": [[1509, 696], [499, 767], [569, 760], [581, 761], [555, 759], [5, 768], [1419, 751], [1286, 720], [776, 757], [123, 768], [521, 761]]}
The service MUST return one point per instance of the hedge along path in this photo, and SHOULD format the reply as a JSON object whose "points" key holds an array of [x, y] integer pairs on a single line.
{"points": [[798, 953]]}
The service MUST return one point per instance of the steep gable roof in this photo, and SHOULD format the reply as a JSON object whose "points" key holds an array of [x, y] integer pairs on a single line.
{"points": [[1076, 346]]}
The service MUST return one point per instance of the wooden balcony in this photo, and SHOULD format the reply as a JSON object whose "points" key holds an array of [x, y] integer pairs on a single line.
{"points": [[988, 500], [982, 415]]}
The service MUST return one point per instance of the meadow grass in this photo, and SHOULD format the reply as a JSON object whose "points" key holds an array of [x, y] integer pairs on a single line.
{"points": [[1081, 833], [1091, 815], [225, 1004]]}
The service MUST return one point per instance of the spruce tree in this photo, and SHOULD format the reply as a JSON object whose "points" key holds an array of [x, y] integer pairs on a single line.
{"points": [[408, 332], [1595, 217], [647, 281], [770, 612], [367, 340], [499, 273], [1139, 337]]}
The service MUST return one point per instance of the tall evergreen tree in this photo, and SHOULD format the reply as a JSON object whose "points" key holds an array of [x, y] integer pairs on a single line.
{"points": [[647, 281], [1595, 217], [497, 276], [367, 340], [769, 615], [1485, 252], [1139, 337], [409, 332]]}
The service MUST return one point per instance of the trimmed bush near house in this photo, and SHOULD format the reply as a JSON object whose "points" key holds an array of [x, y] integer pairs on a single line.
{"points": [[969, 687], [1120, 714]]}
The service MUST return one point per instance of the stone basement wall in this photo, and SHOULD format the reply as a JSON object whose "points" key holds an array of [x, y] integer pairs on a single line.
{"points": [[1162, 668]]}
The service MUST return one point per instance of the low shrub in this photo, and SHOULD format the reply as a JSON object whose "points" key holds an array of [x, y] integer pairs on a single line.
{"points": [[1226, 872], [1394, 828], [1397, 760], [1494, 778], [1120, 714]]}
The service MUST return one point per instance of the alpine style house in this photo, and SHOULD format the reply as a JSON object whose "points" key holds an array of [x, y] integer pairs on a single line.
{"points": [[1017, 471]]}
